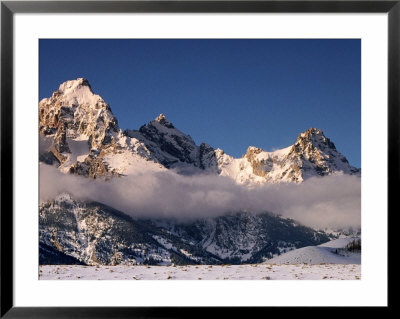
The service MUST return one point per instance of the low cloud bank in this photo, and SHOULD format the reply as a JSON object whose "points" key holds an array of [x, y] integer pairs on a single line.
{"points": [[332, 201]]}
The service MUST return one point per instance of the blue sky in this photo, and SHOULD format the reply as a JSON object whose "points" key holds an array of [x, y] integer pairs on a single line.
{"points": [[228, 93]]}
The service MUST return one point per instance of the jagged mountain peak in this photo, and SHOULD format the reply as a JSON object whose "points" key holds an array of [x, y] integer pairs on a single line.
{"points": [[312, 131], [79, 82], [74, 93], [313, 140], [78, 125], [168, 145], [252, 150], [314, 153], [309, 139], [163, 121], [75, 109]]}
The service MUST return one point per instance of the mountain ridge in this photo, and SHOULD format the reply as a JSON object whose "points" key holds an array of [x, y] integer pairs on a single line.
{"points": [[85, 139], [93, 233]]}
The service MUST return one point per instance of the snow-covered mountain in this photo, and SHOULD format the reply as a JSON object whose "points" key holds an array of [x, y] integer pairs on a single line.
{"points": [[312, 154], [81, 136], [75, 232]]}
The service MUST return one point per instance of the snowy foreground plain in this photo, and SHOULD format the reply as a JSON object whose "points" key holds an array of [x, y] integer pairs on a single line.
{"points": [[309, 263], [203, 272]]}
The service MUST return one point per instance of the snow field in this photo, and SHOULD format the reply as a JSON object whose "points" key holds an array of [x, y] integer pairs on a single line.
{"points": [[321, 254], [203, 272]]}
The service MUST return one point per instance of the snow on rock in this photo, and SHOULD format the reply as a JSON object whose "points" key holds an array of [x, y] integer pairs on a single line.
{"points": [[83, 136], [126, 162], [81, 113]]}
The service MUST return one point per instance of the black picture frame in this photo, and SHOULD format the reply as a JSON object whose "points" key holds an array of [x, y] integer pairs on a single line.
{"points": [[9, 8]]}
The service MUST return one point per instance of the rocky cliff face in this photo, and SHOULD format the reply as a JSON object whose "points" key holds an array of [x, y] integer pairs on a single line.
{"points": [[167, 145], [314, 153], [77, 121], [74, 111]]}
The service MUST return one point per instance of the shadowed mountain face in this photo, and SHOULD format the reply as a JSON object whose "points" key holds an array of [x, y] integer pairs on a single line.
{"points": [[49, 255], [75, 232], [79, 135]]}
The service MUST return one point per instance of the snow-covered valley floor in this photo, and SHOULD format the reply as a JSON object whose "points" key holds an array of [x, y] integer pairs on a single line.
{"points": [[203, 272]]}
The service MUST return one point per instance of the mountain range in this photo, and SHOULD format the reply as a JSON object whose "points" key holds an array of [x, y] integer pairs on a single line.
{"points": [[79, 135]]}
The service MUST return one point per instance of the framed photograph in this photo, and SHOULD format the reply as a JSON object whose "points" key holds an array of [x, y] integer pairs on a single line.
{"points": [[164, 155]]}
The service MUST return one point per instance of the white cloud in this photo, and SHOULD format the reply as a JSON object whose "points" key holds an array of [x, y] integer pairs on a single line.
{"points": [[333, 201]]}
